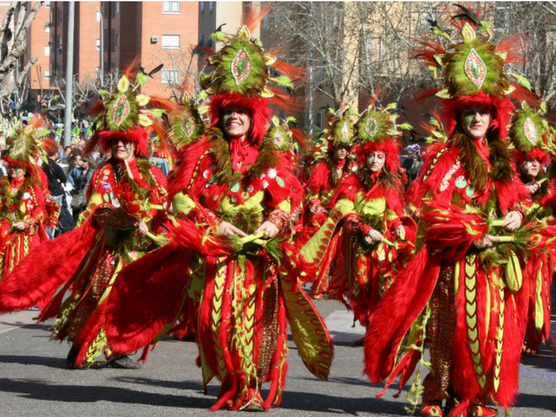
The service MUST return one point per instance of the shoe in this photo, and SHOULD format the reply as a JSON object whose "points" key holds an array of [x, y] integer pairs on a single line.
{"points": [[530, 350], [253, 401], [123, 362], [71, 358], [431, 410], [481, 411]]}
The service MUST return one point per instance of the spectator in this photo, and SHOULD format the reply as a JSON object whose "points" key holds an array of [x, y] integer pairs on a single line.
{"points": [[56, 181], [80, 178]]}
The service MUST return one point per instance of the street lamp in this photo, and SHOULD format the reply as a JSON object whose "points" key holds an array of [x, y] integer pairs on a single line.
{"points": [[101, 43]]}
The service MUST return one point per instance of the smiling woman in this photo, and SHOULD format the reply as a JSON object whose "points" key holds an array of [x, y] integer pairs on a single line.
{"points": [[231, 271], [236, 122]]}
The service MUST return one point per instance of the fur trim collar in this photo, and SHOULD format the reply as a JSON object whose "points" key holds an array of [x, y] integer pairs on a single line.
{"points": [[220, 148]]}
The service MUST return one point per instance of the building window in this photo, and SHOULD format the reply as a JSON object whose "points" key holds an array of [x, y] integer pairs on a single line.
{"points": [[171, 7], [98, 44], [47, 74], [117, 7], [171, 41], [47, 4], [99, 16], [170, 76], [211, 6], [319, 118], [47, 51], [202, 6]]}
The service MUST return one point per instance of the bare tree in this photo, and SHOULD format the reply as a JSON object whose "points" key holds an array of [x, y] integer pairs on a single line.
{"points": [[84, 93], [10, 56], [185, 61], [537, 21]]}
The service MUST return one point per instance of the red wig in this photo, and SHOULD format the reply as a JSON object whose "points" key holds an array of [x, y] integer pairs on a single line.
{"points": [[536, 154], [258, 106], [502, 109], [391, 151]]}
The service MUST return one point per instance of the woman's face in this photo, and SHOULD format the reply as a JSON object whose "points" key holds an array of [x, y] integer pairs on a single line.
{"points": [[531, 168], [476, 121], [340, 153], [123, 150], [236, 121], [375, 161], [16, 172]]}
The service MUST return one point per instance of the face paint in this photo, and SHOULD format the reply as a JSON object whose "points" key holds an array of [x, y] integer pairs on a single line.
{"points": [[476, 121], [128, 148], [375, 161], [467, 118]]}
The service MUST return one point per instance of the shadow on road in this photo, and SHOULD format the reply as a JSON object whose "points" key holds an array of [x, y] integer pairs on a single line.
{"points": [[35, 360], [322, 403], [39, 390]]}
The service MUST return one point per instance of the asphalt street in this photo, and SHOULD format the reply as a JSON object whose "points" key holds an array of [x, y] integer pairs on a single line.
{"points": [[34, 380]]}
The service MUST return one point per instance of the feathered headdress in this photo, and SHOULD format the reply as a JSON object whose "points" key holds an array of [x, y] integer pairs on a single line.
{"points": [[475, 71], [241, 77], [24, 148], [187, 126], [122, 114], [377, 131], [342, 127], [530, 136]]}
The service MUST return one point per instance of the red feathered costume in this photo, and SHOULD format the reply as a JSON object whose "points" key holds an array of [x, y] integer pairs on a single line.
{"points": [[26, 206], [88, 259], [362, 269], [25, 209], [540, 264], [238, 297], [460, 299]]}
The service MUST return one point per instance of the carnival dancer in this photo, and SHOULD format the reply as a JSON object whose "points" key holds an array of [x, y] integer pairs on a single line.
{"points": [[533, 142], [330, 165], [234, 192], [26, 207], [367, 236], [124, 213], [463, 293]]}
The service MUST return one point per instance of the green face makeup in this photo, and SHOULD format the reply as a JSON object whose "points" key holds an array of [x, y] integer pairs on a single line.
{"points": [[467, 118]]}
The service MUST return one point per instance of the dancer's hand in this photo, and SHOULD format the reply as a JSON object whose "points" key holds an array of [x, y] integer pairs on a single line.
{"points": [[270, 230], [142, 228], [229, 229], [513, 220], [533, 186], [19, 226], [375, 235], [487, 241]]}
